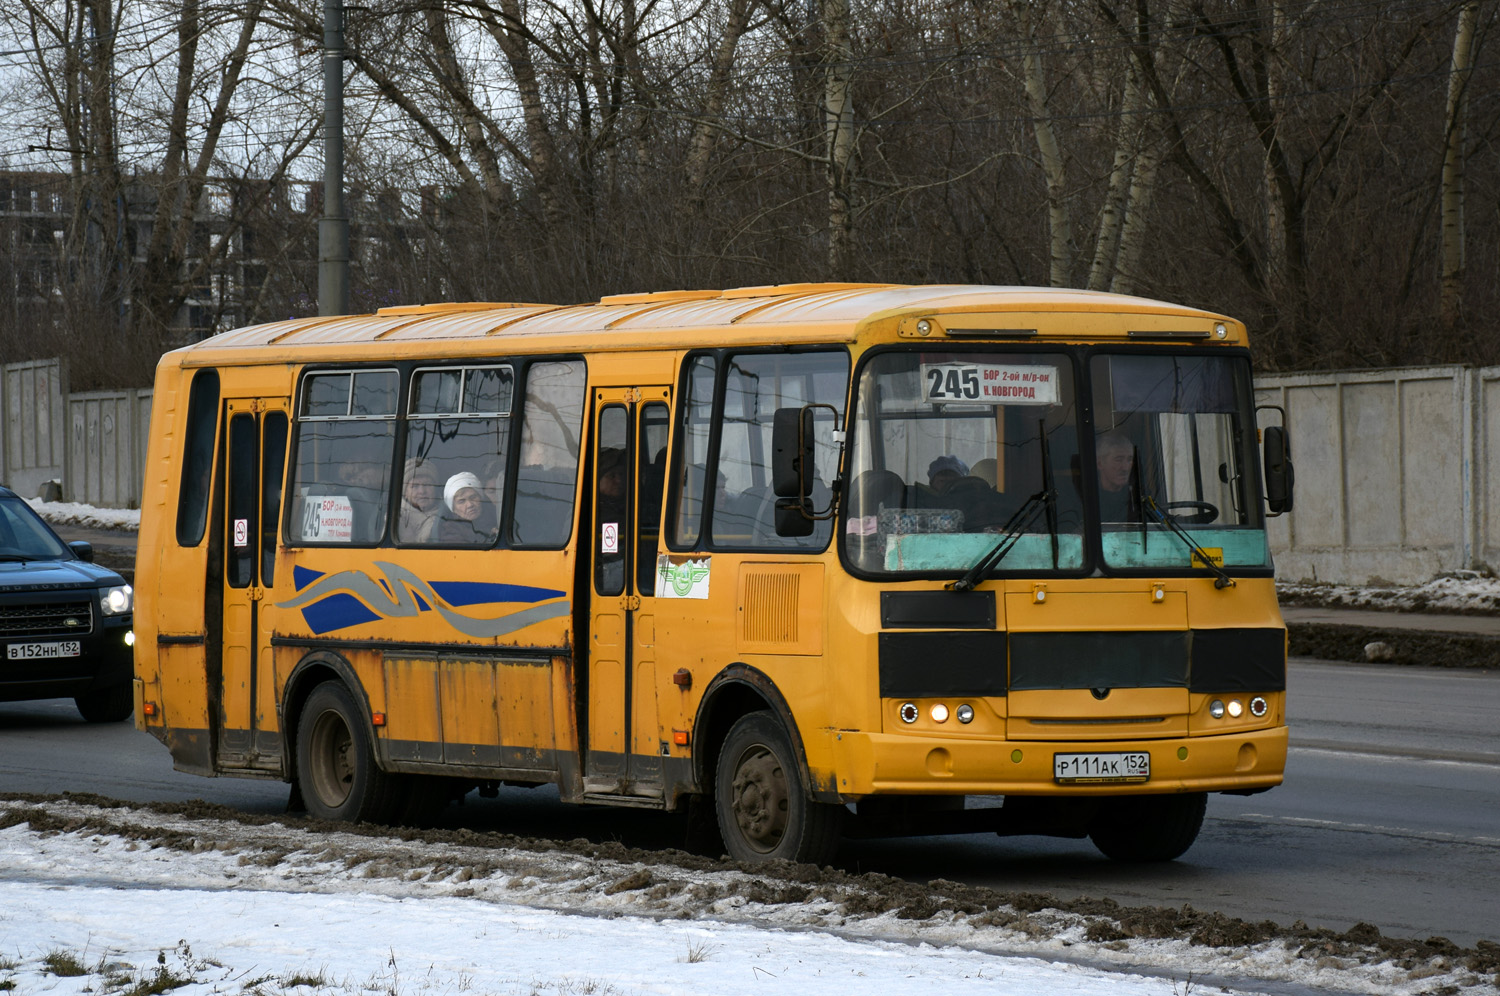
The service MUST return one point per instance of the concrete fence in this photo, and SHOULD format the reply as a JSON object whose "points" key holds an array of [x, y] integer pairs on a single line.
{"points": [[93, 444], [1398, 471]]}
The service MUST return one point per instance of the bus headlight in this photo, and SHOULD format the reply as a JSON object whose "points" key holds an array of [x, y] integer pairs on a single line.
{"points": [[1258, 707], [939, 713], [1235, 708], [1216, 709], [965, 713], [118, 600]]}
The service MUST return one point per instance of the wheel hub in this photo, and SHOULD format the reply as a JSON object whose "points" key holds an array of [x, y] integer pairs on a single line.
{"points": [[760, 798], [332, 773]]}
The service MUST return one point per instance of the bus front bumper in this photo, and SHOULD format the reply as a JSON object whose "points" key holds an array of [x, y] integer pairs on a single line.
{"points": [[893, 764]]}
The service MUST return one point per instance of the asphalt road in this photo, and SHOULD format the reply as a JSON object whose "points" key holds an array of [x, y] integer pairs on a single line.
{"points": [[1390, 813]]}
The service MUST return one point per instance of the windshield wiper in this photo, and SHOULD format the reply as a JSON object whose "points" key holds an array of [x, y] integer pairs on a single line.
{"points": [[1014, 527], [11, 558], [1149, 507], [1045, 499]]}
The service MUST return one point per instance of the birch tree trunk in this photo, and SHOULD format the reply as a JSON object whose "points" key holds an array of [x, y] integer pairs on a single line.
{"points": [[1451, 304], [1059, 217], [702, 144], [1112, 216], [838, 105]]}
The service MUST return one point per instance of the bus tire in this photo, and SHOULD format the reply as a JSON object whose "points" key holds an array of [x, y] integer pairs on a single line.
{"points": [[109, 705], [1149, 827], [336, 767], [763, 810]]}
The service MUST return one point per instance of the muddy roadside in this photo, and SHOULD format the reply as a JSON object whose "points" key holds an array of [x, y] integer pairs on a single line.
{"points": [[608, 878]]}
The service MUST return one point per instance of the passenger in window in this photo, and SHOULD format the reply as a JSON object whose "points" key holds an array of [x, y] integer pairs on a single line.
{"points": [[420, 502], [468, 520], [1114, 455], [366, 485], [492, 480], [611, 485], [944, 472]]}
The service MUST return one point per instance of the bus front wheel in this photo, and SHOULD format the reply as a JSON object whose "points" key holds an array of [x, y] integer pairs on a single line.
{"points": [[1149, 827], [336, 763], [762, 805]]}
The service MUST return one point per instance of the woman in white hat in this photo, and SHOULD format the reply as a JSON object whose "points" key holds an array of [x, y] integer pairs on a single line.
{"points": [[468, 518]]}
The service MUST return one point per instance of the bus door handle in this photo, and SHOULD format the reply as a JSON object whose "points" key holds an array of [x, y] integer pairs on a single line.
{"points": [[629, 603]]}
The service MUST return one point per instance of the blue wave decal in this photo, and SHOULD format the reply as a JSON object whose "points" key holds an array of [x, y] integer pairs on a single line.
{"points": [[337, 612], [482, 592], [331, 602]]}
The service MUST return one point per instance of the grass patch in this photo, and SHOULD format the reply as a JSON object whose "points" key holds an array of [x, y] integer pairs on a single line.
{"points": [[63, 963], [698, 951], [163, 980], [299, 979]]}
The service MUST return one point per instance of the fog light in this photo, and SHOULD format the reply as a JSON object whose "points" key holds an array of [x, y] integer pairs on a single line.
{"points": [[1258, 707], [965, 714], [1216, 709], [1235, 708], [939, 713], [908, 712]]}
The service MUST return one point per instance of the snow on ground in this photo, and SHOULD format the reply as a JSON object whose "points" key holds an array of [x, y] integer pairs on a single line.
{"points": [[68, 513], [1456, 591], [144, 901]]}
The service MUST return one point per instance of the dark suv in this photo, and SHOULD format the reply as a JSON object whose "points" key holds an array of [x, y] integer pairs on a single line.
{"points": [[64, 621]]}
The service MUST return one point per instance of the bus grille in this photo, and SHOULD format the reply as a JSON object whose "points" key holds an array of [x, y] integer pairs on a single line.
{"points": [[770, 610], [55, 619]]}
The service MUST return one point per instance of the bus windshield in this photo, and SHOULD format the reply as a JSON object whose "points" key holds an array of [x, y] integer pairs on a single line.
{"points": [[948, 448], [953, 450], [1174, 439]]}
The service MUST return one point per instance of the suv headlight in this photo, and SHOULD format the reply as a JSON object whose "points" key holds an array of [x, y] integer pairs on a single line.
{"points": [[118, 600]]}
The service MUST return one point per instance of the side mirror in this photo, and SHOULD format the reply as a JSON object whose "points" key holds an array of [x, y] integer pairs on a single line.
{"points": [[1280, 476], [83, 550], [792, 452], [794, 517]]}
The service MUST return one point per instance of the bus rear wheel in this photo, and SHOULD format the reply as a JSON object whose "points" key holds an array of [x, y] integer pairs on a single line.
{"points": [[336, 762], [762, 805], [1145, 828]]}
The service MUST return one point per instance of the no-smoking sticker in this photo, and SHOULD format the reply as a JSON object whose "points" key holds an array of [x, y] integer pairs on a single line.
{"points": [[609, 537], [241, 532]]}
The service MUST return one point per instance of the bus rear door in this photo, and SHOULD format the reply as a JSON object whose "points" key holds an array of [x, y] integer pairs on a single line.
{"points": [[254, 459], [620, 725]]}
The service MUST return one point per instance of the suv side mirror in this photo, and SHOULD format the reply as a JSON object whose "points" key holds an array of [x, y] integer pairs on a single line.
{"points": [[1280, 476], [792, 452]]}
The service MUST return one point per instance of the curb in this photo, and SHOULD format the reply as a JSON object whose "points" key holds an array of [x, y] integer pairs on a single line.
{"points": [[1408, 647]]}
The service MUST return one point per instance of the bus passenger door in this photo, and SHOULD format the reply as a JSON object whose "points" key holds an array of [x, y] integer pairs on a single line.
{"points": [[254, 455], [620, 723]]}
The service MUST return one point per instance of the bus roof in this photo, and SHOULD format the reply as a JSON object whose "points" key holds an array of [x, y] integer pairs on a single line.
{"points": [[784, 313]]}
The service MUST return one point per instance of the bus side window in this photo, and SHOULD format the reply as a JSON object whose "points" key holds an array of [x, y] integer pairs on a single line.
{"points": [[345, 441], [198, 458], [551, 425]]}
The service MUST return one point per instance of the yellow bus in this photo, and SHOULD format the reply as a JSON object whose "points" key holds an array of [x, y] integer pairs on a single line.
{"points": [[813, 559]]}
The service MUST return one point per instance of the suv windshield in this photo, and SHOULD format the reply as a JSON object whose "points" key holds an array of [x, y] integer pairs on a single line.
{"points": [[24, 536], [1174, 435], [948, 446]]}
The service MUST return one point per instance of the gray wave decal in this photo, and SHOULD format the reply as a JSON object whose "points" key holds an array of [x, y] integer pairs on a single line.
{"points": [[404, 605]]}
